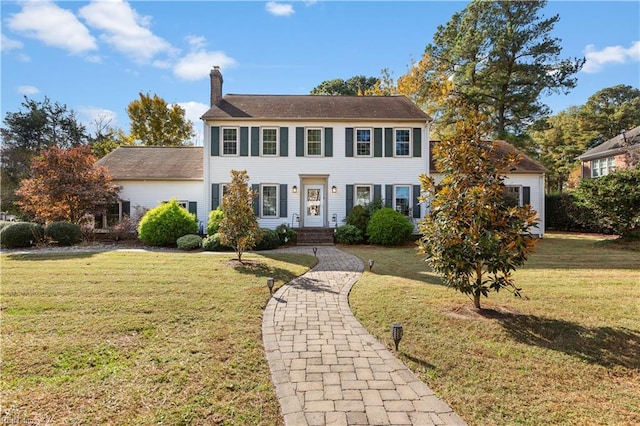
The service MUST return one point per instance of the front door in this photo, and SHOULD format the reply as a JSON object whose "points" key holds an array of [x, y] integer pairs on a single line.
{"points": [[314, 206]]}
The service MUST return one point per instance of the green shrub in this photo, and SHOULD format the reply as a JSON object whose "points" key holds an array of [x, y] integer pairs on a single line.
{"points": [[268, 239], [358, 217], [349, 234], [388, 227], [189, 242], [21, 234], [64, 233], [215, 216], [163, 225], [564, 213], [212, 243], [287, 235], [5, 223]]}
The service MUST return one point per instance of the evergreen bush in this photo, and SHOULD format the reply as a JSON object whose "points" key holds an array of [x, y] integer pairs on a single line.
{"points": [[286, 234], [389, 227], [163, 225], [359, 217], [21, 234], [189, 242], [349, 234], [215, 216], [268, 239], [212, 243], [64, 233]]}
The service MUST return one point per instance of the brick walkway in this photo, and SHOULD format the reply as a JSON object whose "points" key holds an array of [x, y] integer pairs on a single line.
{"points": [[327, 369]]}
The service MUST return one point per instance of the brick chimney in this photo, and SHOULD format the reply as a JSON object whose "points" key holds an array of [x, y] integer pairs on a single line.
{"points": [[216, 85]]}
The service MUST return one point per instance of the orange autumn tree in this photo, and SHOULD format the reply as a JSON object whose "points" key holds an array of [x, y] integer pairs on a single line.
{"points": [[65, 185]]}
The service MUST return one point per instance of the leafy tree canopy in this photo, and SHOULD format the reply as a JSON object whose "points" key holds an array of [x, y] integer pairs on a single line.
{"points": [[66, 184], [357, 85], [155, 123]]}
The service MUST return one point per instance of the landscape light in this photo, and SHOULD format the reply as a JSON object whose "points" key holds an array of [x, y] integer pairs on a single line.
{"points": [[370, 264], [315, 251], [396, 334], [270, 282]]}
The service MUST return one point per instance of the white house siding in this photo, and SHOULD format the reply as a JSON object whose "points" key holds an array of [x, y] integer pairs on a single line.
{"points": [[339, 169], [151, 193]]}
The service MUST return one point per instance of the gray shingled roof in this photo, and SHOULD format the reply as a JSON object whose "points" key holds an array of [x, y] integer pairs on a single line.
{"points": [[526, 164], [613, 146], [154, 163], [315, 107]]}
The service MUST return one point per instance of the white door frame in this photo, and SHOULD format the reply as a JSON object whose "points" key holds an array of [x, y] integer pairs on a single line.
{"points": [[318, 184]]}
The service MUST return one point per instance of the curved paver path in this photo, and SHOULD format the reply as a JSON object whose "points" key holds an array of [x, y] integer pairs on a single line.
{"points": [[327, 369]]}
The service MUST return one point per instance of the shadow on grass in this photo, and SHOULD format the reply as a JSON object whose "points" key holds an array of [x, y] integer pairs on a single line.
{"points": [[605, 346], [53, 255], [422, 363]]}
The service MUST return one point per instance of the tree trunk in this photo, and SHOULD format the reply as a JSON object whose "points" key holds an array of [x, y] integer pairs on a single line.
{"points": [[476, 301]]}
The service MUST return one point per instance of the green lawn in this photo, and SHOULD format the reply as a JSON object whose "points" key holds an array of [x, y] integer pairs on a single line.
{"points": [[567, 353], [137, 338]]}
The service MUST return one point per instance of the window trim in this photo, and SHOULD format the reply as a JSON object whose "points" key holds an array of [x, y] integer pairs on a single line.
{"points": [[519, 188], [277, 203], [395, 199], [409, 142], [355, 194], [355, 141], [602, 166], [237, 141], [276, 141], [306, 142]]}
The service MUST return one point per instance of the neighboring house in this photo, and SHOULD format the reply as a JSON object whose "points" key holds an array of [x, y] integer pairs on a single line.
{"points": [[525, 182], [619, 152], [309, 158], [151, 175]]}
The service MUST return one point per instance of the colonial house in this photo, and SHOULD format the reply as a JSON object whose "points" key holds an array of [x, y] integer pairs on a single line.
{"points": [[619, 152], [310, 159]]}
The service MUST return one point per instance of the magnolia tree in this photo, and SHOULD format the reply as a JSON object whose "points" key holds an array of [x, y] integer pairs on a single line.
{"points": [[239, 228], [474, 236]]}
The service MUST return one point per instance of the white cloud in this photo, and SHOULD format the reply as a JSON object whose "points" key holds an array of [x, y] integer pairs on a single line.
{"points": [[54, 26], [125, 30], [89, 115], [7, 44], [28, 90], [193, 111], [196, 65], [597, 59], [279, 9]]}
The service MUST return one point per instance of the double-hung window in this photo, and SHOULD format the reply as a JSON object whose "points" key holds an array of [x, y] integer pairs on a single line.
{"points": [[363, 142], [269, 199], [602, 166], [229, 141], [402, 199], [314, 142], [513, 195], [363, 195], [269, 141], [403, 142]]}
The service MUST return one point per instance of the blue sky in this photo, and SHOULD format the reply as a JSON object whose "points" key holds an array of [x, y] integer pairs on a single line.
{"points": [[97, 56]]}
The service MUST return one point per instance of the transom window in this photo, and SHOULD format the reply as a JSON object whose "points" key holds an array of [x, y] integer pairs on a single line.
{"points": [[363, 195], [314, 142], [269, 200], [269, 141], [602, 166], [229, 141], [402, 199], [363, 142], [403, 141]]}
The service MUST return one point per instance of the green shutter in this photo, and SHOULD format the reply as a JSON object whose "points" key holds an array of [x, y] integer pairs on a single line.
{"points": [[348, 145], [417, 142], [328, 142], [349, 204], [388, 195], [256, 200], [388, 142], [126, 208], [215, 140], [193, 208], [299, 141], [283, 200], [377, 142], [255, 141], [377, 192], [526, 195], [244, 141], [416, 201], [284, 141], [215, 196]]}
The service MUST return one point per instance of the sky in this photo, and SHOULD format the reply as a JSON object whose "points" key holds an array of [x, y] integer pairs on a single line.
{"points": [[96, 57]]}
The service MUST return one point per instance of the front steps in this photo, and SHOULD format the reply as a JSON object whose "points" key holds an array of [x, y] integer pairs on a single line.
{"points": [[315, 236]]}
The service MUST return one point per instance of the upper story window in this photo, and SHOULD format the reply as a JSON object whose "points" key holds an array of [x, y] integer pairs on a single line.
{"points": [[602, 166], [269, 141], [403, 142], [229, 141], [269, 196], [363, 195], [314, 142], [402, 199], [363, 142]]}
